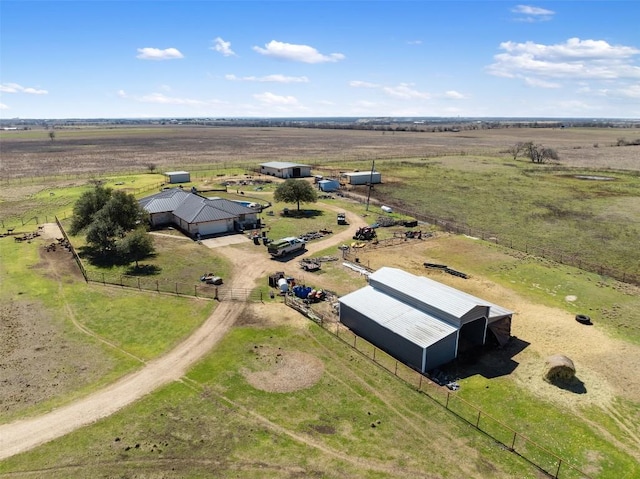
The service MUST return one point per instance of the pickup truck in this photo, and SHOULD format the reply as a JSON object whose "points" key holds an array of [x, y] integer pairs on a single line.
{"points": [[285, 246]]}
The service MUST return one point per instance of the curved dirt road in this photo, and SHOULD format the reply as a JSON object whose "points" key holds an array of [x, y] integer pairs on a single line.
{"points": [[25, 434]]}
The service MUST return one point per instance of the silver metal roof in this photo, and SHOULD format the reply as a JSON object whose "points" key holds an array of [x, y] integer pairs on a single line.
{"points": [[283, 165], [430, 294], [193, 208], [165, 201], [402, 318]]}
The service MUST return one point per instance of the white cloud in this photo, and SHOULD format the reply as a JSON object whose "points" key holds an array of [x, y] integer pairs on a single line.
{"points": [[4, 107], [414, 42], [539, 83], [296, 53], [405, 92], [168, 100], [269, 98], [222, 47], [276, 78], [363, 84], [158, 54], [15, 88], [530, 14], [122, 94], [632, 91], [455, 95], [573, 60]]}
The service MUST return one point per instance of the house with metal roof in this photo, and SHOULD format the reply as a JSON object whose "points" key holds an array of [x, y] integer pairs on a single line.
{"points": [[419, 321], [284, 169], [196, 215]]}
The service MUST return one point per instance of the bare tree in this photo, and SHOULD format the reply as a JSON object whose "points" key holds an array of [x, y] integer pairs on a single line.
{"points": [[52, 135], [539, 153], [518, 148], [151, 167]]}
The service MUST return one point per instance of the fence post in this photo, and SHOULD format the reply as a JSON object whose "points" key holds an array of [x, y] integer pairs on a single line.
{"points": [[478, 420], [513, 443], [103, 278], [139, 284], [338, 330], [177, 288], [157, 286], [374, 353], [447, 403], [558, 470], [395, 373], [195, 290], [354, 341]]}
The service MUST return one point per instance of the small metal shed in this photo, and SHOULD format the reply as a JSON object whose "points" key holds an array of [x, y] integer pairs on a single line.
{"points": [[329, 185], [361, 178], [178, 176]]}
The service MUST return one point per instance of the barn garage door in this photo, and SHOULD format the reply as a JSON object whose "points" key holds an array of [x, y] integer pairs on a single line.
{"points": [[212, 228]]}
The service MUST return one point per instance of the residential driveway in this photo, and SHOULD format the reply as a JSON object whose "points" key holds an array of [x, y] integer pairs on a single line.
{"points": [[225, 240]]}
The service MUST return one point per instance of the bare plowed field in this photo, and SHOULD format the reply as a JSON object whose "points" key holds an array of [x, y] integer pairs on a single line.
{"points": [[33, 153]]}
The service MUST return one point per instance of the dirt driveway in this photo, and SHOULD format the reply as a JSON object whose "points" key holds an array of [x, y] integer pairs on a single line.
{"points": [[25, 434]]}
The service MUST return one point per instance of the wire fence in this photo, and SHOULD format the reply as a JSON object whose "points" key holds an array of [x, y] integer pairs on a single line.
{"points": [[510, 439], [569, 259]]}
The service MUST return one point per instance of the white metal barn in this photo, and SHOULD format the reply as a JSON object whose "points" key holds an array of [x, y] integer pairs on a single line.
{"points": [[196, 215], [361, 178], [419, 321], [178, 176], [284, 169]]}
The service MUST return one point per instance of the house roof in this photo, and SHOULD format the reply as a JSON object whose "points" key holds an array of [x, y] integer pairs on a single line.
{"points": [[169, 173], [282, 165], [165, 201], [193, 208]]}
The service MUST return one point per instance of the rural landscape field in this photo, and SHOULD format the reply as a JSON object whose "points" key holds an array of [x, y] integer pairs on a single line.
{"points": [[111, 378]]}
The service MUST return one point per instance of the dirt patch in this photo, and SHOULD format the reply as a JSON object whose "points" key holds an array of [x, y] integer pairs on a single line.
{"points": [[281, 371], [38, 361]]}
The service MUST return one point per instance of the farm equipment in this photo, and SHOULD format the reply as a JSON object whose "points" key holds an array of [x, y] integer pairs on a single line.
{"points": [[365, 233], [310, 265], [210, 278], [342, 219]]}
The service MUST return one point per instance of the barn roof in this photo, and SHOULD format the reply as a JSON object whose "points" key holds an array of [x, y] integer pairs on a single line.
{"points": [[418, 326], [282, 165], [425, 293]]}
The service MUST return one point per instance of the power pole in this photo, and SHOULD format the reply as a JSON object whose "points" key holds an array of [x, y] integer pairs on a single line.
{"points": [[373, 165]]}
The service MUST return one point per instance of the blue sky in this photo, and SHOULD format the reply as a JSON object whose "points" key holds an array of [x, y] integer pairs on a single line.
{"points": [[121, 59]]}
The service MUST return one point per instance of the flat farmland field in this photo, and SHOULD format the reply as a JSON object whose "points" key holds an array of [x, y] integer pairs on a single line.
{"points": [[32, 153]]}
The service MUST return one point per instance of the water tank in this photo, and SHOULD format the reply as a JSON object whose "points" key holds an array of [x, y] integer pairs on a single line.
{"points": [[386, 209]]}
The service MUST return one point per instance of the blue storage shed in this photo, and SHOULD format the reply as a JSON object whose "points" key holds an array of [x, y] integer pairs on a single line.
{"points": [[329, 185]]}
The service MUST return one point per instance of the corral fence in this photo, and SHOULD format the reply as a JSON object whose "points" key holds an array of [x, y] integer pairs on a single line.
{"points": [[508, 438], [146, 283], [569, 259]]}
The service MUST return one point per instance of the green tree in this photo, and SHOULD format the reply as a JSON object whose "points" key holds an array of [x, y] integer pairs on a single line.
{"points": [[135, 246], [295, 191], [106, 216], [86, 207]]}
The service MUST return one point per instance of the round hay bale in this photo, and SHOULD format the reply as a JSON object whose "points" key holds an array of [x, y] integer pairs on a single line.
{"points": [[559, 368]]}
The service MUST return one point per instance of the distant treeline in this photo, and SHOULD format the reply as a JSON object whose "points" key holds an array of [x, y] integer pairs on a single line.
{"points": [[379, 124]]}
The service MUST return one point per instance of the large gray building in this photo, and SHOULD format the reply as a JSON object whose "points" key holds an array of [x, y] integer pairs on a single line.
{"points": [[419, 321]]}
